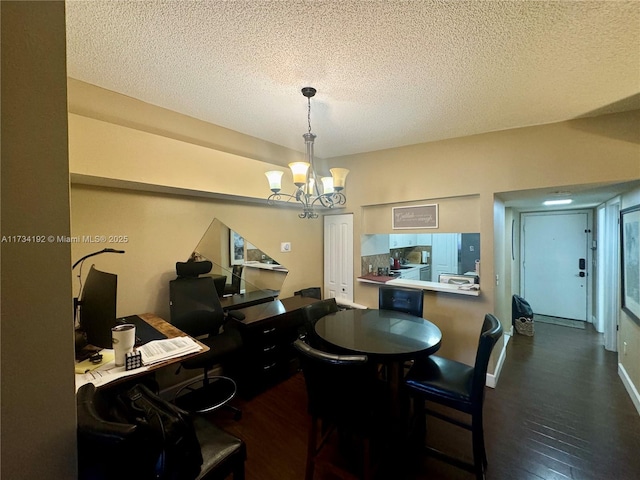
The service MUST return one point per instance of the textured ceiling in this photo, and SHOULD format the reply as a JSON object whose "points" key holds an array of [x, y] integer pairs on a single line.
{"points": [[388, 73]]}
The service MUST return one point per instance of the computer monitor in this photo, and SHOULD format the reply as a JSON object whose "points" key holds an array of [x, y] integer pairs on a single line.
{"points": [[98, 307]]}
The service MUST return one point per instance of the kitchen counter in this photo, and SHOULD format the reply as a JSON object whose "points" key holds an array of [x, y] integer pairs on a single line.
{"points": [[471, 290], [265, 266]]}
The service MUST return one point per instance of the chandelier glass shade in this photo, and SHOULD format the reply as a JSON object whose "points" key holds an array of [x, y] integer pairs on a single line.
{"points": [[311, 189]]}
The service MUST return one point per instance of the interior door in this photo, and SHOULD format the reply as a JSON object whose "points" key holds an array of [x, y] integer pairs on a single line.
{"points": [[555, 263], [338, 256]]}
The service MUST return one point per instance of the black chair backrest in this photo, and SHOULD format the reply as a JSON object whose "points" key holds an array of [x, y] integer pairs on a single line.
{"points": [[315, 311], [311, 292], [195, 307], [491, 332], [220, 281], [193, 269], [408, 300], [339, 387], [102, 438]]}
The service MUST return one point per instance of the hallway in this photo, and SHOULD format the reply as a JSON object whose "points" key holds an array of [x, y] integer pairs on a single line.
{"points": [[561, 411]]}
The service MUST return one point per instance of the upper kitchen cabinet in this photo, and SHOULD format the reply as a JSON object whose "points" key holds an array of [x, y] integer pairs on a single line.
{"points": [[424, 239], [374, 245], [402, 240]]}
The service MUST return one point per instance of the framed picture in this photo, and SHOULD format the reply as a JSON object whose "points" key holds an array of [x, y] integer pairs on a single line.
{"points": [[630, 255], [236, 248], [415, 216]]}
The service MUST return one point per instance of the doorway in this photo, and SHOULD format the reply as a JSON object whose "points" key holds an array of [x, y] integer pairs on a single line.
{"points": [[556, 263], [338, 256]]}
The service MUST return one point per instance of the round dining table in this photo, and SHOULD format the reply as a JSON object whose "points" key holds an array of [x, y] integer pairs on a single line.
{"points": [[387, 337]]}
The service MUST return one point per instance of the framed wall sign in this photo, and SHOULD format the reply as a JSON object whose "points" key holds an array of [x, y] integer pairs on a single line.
{"points": [[415, 216], [630, 255]]}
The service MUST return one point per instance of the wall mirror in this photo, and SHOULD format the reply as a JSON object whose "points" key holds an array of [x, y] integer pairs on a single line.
{"points": [[435, 253], [245, 266]]}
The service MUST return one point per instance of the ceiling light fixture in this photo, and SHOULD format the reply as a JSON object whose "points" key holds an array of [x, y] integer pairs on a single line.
{"points": [[305, 178], [565, 201]]}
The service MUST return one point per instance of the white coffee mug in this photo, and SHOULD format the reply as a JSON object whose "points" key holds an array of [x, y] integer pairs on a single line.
{"points": [[123, 338]]}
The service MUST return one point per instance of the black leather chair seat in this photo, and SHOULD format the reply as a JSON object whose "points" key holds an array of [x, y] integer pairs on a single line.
{"points": [[222, 453], [443, 379], [221, 347]]}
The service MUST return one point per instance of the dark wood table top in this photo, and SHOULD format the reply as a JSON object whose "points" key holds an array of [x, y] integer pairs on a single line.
{"points": [[385, 335], [263, 311], [243, 300]]}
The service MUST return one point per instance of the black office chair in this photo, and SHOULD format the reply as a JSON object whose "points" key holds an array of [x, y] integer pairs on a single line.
{"points": [[457, 386], [311, 314], [196, 310], [344, 396], [408, 300], [111, 450], [236, 279]]}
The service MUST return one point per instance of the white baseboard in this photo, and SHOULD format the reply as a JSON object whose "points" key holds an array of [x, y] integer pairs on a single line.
{"points": [[629, 386], [492, 378]]}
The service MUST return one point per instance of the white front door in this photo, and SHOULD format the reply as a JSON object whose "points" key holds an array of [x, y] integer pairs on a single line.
{"points": [[338, 256], [555, 263]]}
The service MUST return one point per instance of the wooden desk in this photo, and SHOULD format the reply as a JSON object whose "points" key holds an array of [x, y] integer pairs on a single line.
{"points": [[171, 332], [165, 328], [268, 332]]}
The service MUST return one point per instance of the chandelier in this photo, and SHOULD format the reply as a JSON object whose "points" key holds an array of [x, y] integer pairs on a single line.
{"points": [[309, 191]]}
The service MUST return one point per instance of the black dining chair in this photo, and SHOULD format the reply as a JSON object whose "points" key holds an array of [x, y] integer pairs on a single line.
{"points": [[236, 280], [344, 398], [400, 299], [311, 314], [459, 387]]}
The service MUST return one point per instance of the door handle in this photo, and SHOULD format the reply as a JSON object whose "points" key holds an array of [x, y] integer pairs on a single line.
{"points": [[582, 264], [582, 274]]}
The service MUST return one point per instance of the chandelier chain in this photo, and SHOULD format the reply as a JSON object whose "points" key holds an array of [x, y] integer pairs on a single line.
{"points": [[309, 112]]}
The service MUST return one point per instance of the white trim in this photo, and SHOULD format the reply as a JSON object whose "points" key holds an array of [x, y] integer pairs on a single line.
{"points": [[630, 387], [492, 378]]}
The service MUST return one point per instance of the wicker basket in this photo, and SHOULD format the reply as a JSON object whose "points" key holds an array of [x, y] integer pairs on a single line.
{"points": [[524, 326]]}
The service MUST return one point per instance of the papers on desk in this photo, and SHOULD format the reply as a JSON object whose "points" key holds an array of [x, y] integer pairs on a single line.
{"points": [[105, 374], [161, 350], [152, 352]]}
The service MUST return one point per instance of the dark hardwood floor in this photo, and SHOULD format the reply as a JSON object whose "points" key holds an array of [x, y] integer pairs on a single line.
{"points": [[559, 412]]}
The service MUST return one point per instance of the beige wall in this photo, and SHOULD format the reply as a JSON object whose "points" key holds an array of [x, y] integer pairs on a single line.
{"points": [[586, 151], [464, 176], [629, 330], [38, 438], [162, 229]]}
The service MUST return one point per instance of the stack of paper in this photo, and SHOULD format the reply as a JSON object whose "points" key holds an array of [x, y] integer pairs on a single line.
{"points": [[161, 350]]}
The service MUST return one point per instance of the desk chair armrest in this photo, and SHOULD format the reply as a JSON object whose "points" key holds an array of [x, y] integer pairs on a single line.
{"points": [[91, 423]]}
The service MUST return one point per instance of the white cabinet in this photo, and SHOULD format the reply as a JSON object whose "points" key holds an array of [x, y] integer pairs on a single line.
{"points": [[424, 239], [402, 240], [411, 274], [374, 245], [444, 256]]}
